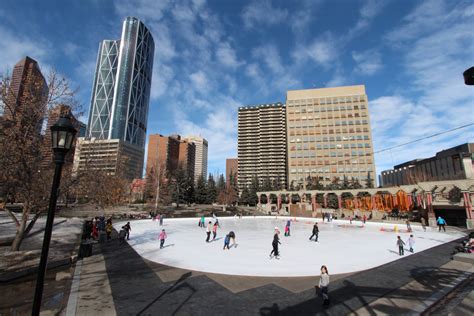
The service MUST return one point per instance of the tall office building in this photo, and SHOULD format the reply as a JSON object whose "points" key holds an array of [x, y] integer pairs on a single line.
{"points": [[121, 91], [200, 164], [187, 157], [329, 135], [262, 144], [28, 91], [231, 167], [163, 153]]}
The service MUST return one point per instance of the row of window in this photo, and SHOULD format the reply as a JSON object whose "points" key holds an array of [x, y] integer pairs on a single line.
{"points": [[309, 154], [324, 117], [328, 146], [296, 132], [337, 100], [333, 162], [339, 138], [311, 108], [332, 170], [335, 123]]}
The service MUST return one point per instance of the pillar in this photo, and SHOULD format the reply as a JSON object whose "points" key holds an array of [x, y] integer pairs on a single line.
{"points": [[313, 202], [259, 200], [468, 206], [325, 197], [278, 202], [339, 202], [429, 205]]}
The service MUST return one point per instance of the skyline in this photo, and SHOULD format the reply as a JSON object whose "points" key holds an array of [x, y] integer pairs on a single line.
{"points": [[409, 56]]}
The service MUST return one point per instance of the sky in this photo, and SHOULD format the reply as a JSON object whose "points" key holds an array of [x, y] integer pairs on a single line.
{"points": [[212, 56]]}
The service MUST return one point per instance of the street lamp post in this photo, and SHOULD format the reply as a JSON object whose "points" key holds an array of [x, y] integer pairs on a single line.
{"points": [[62, 136]]}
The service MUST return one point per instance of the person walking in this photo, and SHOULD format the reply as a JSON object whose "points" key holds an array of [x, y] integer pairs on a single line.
{"points": [[441, 223], [108, 230], [411, 243], [324, 285], [162, 217], [95, 232], [423, 224], [275, 243], [226, 242], [208, 231], [163, 237], [127, 228], [315, 232], [400, 244], [214, 230]]}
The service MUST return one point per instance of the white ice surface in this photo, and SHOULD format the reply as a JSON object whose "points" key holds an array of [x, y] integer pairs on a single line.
{"points": [[342, 247]]}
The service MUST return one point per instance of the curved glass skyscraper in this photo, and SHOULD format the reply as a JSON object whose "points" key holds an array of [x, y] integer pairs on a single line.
{"points": [[119, 104]]}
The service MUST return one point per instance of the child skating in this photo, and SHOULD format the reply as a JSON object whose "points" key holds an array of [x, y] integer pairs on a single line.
{"points": [[287, 231], [208, 231], [411, 243], [226, 242], [214, 230], [315, 232], [163, 237], [400, 244]]}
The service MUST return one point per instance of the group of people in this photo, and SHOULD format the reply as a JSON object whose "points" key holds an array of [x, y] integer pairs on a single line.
{"points": [[96, 226], [401, 244]]}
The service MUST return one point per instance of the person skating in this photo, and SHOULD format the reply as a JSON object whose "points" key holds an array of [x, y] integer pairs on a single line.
{"points": [[288, 224], [208, 231], [315, 232], [275, 243], [163, 237], [127, 228], [287, 231], [214, 230], [226, 242], [108, 230], [324, 285], [411, 243], [203, 221], [350, 219], [408, 226], [162, 217], [400, 244], [441, 223], [364, 218], [423, 224], [232, 236]]}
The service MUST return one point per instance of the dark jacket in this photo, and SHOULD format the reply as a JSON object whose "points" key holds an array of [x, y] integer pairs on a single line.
{"points": [[276, 239], [315, 229]]}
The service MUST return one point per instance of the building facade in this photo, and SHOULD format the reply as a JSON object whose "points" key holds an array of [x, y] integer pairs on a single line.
{"points": [[329, 135], [200, 164], [27, 95], [163, 153], [262, 144], [187, 157], [231, 167], [121, 90], [455, 163]]}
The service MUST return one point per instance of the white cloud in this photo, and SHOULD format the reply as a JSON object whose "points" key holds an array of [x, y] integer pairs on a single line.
{"points": [[270, 56], [262, 12], [227, 56], [367, 62], [200, 80]]}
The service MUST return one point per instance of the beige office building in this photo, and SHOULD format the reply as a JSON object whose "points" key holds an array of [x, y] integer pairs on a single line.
{"points": [[200, 161], [262, 144], [329, 135], [109, 155]]}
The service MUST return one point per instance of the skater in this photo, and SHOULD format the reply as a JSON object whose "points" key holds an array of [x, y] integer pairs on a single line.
{"points": [[323, 285], [214, 230], [408, 226], [411, 243], [400, 244], [163, 237], [275, 242], [364, 218], [441, 223], [226, 242], [350, 219], [423, 224], [288, 224], [95, 232], [127, 228], [287, 231], [315, 232], [162, 216], [232, 236], [203, 220], [108, 230], [208, 231]]}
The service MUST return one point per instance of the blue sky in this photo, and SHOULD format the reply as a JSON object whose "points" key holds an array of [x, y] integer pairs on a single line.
{"points": [[213, 56]]}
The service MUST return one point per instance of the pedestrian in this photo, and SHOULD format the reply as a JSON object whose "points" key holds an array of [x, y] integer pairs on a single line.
{"points": [[226, 242], [108, 230], [288, 224], [408, 226], [324, 284], [364, 218], [275, 243], [411, 242], [400, 244], [95, 232], [315, 232], [214, 230], [208, 231], [162, 216], [127, 228], [423, 223], [441, 223], [163, 237], [232, 236]]}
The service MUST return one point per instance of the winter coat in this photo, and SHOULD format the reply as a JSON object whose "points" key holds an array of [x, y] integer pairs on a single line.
{"points": [[208, 229], [324, 280], [276, 239], [163, 235], [400, 243], [411, 242], [214, 228], [315, 229]]}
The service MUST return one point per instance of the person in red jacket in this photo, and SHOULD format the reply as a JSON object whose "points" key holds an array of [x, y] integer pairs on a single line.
{"points": [[214, 230], [163, 237]]}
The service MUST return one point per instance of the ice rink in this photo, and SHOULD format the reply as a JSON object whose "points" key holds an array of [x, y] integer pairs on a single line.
{"points": [[342, 247]]}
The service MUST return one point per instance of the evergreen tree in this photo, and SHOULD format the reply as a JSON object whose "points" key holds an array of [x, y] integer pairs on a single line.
{"points": [[201, 191], [179, 186], [355, 184], [221, 183], [254, 188], [211, 190], [369, 183], [189, 192], [245, 196], [267, 184], [345, 183]]}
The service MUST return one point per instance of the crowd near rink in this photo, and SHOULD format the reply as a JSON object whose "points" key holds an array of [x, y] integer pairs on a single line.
{"points": [[343, 246]]}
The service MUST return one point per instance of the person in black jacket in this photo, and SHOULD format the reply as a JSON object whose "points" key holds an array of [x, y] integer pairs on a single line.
{"points": [[276, 241], [315, 232]]}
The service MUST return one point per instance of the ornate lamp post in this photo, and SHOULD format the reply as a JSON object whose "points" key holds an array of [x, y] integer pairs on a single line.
{"points": [[62, 136]]}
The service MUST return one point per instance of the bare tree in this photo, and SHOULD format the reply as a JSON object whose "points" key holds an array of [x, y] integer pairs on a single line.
{"points": [[23, 176]]}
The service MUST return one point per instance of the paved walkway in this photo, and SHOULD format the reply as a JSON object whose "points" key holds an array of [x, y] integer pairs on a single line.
{"points": [[116, 280]]}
